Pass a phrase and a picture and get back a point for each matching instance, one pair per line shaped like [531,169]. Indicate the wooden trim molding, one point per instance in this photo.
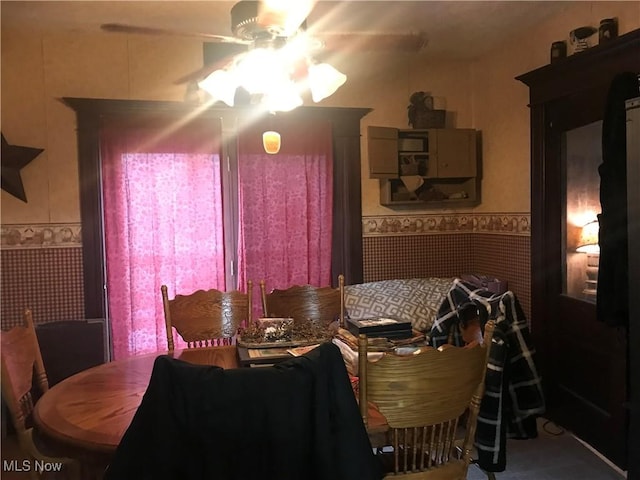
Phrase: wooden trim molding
[433,224]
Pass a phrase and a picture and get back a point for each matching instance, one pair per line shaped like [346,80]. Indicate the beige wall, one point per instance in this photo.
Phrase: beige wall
[500,102]
[40,67]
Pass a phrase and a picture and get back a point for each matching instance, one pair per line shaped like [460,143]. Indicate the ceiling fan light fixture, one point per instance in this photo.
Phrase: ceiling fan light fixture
[221,85]
[283,99]
[262,70]
[289,14]
[277,70]
[324,80]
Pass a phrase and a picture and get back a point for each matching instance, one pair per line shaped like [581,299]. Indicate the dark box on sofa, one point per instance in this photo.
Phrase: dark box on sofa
[380,327]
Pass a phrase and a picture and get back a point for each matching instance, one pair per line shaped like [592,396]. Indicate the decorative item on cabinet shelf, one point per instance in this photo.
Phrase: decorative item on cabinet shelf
[409,165]
[421,113]
[558,51]
[411,145]
[580,38]
[412,183]
[608,30]
[430,192]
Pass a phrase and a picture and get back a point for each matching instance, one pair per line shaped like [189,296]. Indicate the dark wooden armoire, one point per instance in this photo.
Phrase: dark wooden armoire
[589,377]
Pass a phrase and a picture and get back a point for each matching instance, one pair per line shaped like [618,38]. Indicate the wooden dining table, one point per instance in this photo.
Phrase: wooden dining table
[90,411]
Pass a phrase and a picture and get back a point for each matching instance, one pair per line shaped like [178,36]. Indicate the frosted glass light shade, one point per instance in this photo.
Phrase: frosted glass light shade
[324,80]
[271,142]
[221,85]
[278,76]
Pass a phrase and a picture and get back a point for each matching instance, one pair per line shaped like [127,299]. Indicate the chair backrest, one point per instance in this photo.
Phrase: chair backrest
[22,366]
[206,317]
[22,370]
[305,302]
[424,398]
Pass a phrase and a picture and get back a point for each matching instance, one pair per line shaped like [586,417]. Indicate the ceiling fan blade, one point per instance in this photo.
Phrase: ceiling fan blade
[122,28]
[370,42]
[205,71]
[286,15]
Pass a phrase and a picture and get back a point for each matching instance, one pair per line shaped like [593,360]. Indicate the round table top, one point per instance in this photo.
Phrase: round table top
[92,409]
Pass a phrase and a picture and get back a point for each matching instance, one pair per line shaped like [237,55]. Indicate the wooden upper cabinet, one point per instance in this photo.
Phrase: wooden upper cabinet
[454,152]
[382,147]
[446,160]
[440,153]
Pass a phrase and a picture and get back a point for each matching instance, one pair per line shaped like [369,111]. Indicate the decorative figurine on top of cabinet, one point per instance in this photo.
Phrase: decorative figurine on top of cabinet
[421,113]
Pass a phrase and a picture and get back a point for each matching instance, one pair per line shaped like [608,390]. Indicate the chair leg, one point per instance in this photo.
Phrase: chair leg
[70,466]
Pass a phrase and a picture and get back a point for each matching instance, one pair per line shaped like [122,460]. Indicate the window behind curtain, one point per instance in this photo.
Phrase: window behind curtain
[286,205]
[162,205]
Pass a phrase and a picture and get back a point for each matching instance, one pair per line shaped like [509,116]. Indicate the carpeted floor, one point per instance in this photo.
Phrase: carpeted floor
[548,457]
[551,457]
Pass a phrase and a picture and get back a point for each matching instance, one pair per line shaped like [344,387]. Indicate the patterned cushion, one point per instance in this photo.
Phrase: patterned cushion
[415,299]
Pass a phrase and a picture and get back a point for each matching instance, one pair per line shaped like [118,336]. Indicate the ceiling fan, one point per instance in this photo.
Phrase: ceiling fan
[275,26]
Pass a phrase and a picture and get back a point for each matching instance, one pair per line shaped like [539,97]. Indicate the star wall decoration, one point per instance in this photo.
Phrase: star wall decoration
[14,158]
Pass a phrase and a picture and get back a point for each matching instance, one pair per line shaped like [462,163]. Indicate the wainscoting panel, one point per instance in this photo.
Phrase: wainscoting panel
[47,280]
[416,256]
[42,264]
[505,256]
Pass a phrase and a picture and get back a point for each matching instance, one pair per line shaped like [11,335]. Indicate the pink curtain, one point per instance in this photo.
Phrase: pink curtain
[163,224]
[286,207]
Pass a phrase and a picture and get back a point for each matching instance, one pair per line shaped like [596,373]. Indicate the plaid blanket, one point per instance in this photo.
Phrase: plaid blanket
[513,395]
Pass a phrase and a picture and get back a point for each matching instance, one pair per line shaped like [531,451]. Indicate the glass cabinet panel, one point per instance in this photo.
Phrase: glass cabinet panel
[582,152]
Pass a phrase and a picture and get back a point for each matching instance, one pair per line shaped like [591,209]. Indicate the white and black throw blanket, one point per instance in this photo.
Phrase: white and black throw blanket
[513,395]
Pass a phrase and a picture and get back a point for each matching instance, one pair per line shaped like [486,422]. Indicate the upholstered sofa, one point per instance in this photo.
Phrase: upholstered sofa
[413,299]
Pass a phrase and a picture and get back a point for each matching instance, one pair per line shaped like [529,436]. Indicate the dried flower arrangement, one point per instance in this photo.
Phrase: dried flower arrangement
[285,333]
[421,113]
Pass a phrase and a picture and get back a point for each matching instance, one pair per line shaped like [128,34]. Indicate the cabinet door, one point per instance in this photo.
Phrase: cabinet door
[382,147]
[455,152]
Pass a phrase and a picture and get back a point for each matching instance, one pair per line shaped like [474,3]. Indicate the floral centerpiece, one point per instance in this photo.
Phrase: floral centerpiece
[285,332]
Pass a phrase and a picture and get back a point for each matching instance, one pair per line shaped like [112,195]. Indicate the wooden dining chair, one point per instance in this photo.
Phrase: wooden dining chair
[206,317]
[425,398]
[305,302]
[24,376]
